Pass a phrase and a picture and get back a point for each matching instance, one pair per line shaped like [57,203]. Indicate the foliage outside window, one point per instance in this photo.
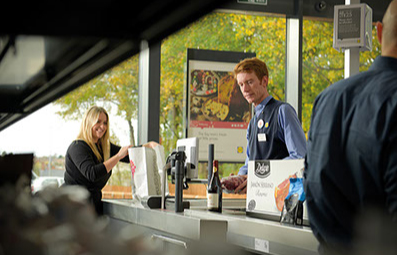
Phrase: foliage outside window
[117,89]
[322,64]
[263,35]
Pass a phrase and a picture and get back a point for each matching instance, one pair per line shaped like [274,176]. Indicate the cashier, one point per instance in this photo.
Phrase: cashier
[90,158]
[275,131]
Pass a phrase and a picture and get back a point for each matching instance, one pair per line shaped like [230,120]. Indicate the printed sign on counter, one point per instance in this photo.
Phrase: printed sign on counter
[268,185]
[262,245]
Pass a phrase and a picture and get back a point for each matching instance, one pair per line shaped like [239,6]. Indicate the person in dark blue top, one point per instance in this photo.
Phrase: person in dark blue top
[351,162]
[275,131]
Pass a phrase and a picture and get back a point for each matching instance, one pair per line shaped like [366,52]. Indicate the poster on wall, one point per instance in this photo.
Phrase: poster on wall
[217,112]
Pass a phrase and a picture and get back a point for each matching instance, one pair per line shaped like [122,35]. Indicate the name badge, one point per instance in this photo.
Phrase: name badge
[262,137]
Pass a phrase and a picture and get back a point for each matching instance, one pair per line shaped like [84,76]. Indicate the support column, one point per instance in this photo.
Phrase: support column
[149,93]
[293,62]
[352,56]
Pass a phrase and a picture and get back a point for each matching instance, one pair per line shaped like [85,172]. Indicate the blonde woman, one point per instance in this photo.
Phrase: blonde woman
[90,158]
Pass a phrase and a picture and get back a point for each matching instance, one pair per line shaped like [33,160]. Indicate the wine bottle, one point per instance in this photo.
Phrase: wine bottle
[218,183]
[210,160]
[214,191]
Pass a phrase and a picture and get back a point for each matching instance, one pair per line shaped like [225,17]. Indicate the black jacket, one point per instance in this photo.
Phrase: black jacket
[83,168]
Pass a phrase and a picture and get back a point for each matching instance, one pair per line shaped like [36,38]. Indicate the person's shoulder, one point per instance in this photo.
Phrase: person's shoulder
[78,144]
[286,105]
[336,89]
[348,86]
[287,108]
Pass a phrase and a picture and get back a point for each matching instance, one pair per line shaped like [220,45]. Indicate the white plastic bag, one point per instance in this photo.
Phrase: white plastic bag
[160,156]
[145,171]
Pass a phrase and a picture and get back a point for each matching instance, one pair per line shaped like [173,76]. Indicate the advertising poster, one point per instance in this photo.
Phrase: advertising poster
[217,112]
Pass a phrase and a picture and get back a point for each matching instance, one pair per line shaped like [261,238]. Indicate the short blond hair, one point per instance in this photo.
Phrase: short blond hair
[90,118]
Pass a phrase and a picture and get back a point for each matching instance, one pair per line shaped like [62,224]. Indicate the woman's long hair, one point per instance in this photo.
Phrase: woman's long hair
[90,119]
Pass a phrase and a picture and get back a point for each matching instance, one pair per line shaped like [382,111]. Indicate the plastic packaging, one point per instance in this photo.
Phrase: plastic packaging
[292,212]
[230,183]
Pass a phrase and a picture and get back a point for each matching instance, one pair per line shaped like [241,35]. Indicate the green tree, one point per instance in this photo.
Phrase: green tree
[263,35]
[216,31]
[117,87]
[322,64]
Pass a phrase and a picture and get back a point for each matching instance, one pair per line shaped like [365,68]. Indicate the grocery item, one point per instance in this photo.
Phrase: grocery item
[230,183]
[292,212]
[214,191]
[281,192]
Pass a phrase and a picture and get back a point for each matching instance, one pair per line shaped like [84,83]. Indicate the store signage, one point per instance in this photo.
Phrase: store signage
[217,112]
[352,27]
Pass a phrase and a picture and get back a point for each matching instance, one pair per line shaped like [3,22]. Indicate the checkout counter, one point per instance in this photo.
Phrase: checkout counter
[196,224]
[185,222]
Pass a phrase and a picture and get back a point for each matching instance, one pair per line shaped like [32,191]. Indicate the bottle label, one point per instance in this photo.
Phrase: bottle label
[212,200]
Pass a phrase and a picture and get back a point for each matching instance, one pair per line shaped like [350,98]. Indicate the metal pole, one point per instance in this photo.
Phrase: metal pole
[352,56]
[179,169]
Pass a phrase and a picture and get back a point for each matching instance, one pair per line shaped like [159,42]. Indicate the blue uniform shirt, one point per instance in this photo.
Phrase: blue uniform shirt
[289,131]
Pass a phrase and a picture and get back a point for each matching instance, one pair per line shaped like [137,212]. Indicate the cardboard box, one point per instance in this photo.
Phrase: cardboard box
[268,184]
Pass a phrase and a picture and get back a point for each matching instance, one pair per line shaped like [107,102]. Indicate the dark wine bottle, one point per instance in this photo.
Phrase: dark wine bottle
[214,191]
[218,183]
[210,160]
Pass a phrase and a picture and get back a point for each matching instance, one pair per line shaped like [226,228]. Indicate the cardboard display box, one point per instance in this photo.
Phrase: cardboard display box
[268,185]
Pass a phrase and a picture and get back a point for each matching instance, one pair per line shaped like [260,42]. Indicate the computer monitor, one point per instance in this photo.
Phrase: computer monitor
[191,148]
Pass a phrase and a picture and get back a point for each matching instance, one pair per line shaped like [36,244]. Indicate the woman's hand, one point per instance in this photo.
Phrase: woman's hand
[111,162]
[123,152]
[150,144]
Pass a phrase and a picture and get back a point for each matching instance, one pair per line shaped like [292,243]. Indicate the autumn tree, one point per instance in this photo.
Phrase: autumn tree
[115,89]
[322,64]
[260,34]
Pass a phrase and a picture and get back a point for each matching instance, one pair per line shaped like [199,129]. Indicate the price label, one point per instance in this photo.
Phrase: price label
[261,245]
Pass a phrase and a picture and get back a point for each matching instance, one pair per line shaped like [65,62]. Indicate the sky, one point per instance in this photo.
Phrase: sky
[44,133]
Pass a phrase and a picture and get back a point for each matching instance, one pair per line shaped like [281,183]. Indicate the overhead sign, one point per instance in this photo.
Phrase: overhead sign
[262,2]
[349,23]
[353,27]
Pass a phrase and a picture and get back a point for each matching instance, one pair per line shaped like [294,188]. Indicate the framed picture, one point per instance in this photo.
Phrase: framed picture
[217,112]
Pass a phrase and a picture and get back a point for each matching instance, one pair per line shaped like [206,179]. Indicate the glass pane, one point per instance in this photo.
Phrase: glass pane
[322,64]
[49,131]
[263,35]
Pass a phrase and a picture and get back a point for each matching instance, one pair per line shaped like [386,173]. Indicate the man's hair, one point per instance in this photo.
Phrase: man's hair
[250,65]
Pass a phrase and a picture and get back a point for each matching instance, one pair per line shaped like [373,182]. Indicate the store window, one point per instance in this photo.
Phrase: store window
[322,64]
[261,34]
[117,91]
[49,131]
